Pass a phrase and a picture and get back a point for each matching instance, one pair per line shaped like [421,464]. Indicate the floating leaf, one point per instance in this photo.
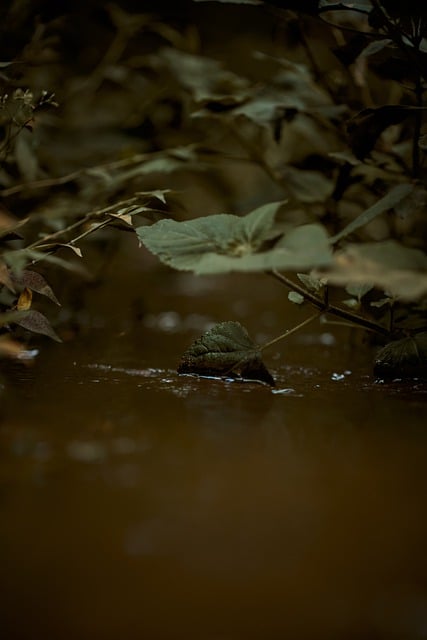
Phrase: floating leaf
[225,350]
[390,200]
[34,281]
[405,358]
[37,323]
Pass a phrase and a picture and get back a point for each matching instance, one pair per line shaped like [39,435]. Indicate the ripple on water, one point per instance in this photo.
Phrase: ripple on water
[291,381]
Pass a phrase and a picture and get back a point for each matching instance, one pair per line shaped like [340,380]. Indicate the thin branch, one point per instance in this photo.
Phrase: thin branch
[96,227]
[289,331]
[74,175]
[329,308]
[87,218]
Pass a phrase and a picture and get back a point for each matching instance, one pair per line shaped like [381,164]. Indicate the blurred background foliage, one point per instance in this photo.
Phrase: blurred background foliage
[115,115]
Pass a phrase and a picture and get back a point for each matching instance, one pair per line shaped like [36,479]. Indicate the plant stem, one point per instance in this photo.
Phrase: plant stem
[412,54]
[418,118]
[325,307]
[46,183]
[289,331]
[87,218]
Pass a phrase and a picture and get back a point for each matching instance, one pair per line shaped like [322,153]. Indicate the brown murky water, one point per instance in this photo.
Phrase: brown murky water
[135,503]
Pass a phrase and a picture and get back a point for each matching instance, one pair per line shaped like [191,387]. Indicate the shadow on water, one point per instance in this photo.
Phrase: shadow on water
[138,503]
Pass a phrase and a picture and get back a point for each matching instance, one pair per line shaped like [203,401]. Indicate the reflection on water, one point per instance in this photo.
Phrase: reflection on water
[136,503]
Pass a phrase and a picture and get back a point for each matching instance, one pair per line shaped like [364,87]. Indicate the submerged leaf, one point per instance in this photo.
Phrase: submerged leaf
[225,350]
[405,358]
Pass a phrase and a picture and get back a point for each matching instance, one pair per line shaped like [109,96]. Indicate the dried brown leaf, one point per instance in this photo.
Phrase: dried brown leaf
[25,299]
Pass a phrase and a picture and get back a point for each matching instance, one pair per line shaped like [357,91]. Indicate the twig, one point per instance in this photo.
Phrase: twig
[325,307]
[87,218]
[289,332]
[70,177]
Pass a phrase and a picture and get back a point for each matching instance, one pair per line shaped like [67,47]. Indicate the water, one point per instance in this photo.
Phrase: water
[136,503]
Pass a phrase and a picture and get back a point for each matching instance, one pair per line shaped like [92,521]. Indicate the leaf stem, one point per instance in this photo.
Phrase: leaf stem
[325,307]
[289,331]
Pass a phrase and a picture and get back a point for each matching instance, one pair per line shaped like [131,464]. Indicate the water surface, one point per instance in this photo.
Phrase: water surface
[136,503]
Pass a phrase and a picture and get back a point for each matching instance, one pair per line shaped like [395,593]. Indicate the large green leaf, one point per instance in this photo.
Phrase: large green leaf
[223,243]
[225,350]
[301,248]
